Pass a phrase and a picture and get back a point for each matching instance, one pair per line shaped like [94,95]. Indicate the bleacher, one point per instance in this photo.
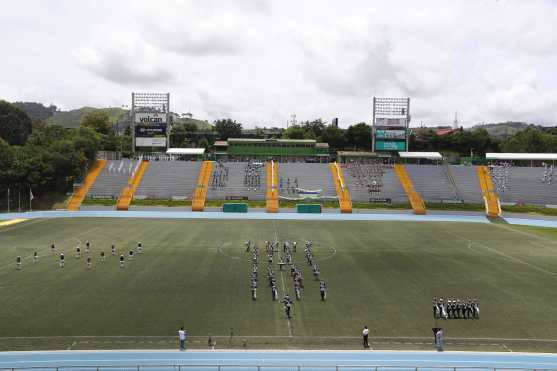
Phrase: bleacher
[112,178]
[235,187]
[431,182]
[390,189]
[310,177]
[466,179]
[525,186]
[168,179]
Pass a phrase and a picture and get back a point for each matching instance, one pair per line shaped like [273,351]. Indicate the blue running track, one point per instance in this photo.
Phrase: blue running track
[277,360]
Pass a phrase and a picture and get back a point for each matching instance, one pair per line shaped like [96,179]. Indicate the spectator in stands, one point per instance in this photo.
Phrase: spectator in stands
[182,338]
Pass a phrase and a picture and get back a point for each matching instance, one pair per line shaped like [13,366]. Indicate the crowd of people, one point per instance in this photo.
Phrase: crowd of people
[456,308]
[283,257]
[368,176]
[290,185]
[252,175]
[500,174]
[86,253]
[219,178]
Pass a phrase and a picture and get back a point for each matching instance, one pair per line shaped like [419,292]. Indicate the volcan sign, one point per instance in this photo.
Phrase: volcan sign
[150,118]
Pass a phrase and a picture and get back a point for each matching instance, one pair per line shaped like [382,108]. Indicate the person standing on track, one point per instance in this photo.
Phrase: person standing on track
[365,335]
[182,338]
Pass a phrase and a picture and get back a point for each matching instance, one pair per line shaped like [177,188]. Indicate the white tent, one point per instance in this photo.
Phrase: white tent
[426,155]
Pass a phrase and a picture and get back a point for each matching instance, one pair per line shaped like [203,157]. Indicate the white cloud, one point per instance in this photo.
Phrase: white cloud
[260,61]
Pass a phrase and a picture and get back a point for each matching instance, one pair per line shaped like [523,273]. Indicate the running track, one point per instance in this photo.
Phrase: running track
[314,360]
[537,222]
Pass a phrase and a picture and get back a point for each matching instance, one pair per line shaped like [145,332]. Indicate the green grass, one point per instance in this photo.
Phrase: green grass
[195,273]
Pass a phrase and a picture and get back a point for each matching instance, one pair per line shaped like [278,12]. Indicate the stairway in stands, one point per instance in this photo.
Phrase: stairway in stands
[126,196]
[344,199]
[416,201]
[492,206]
[200,192]
[79,195]
[272,201]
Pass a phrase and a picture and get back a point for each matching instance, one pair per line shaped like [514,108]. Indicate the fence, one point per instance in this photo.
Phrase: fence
[259,367]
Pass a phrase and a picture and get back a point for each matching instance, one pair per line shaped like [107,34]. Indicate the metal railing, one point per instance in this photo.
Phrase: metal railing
[260,367]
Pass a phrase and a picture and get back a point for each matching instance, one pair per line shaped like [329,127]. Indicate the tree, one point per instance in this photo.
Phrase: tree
[36,111]
[203,143]
[15,125]
[98,121]
[359,136]
[228,129]
[335,137]
[294,132]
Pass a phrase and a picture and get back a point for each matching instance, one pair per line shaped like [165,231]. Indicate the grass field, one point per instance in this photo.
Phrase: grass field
[195,273]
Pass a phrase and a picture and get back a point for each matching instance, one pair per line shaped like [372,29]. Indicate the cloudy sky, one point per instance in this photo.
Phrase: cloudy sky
[260,61]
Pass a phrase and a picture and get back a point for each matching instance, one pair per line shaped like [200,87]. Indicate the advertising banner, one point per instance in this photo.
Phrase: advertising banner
[150,118]
[381,145]
[390,134]
[150,142]
[390,122]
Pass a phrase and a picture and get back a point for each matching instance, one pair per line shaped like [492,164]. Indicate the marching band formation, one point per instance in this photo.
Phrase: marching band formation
[456,308]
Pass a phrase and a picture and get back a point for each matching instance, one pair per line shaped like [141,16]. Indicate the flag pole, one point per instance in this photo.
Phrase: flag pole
[30,199]
[8,199]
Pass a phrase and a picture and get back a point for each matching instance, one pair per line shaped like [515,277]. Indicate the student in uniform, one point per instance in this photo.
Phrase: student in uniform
[77,252]
[52,247]
[130,255]
[113,248]
[88,262]
[18,262]
[365,336]
[102,256]
[87,247]
[139,248]
[35,257]
[61,260]
[122,260]
[322,289]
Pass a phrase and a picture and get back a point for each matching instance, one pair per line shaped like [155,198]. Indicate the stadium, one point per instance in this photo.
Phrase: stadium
[257,235]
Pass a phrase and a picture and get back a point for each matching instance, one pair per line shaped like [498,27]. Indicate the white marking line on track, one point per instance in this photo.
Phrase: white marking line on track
[290,334]
[517,260]
[395,361]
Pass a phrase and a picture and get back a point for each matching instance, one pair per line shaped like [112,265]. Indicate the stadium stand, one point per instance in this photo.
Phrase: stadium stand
[126,196]
[299,180]
[169,179]
[431,182]
[235,187]
[466,179]
[79,195]
[359,180]
[272,194]
[492,206]
[112,179]
[344,200]
[200,193]
[524,185]
[416,201]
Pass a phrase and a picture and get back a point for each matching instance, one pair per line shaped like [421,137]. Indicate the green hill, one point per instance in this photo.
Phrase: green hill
[201,125]
[71,119]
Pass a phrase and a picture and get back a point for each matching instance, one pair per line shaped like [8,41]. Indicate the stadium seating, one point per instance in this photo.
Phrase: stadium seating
[113,178]
[391,188]
[235,187]
[431,182]
[168,179]
[309,176]
[467,182]
[525,186]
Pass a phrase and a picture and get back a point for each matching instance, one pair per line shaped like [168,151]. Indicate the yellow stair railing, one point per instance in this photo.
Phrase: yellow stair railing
[492,205]
[271,197]
[200,192]
[344,199]
[126,196]
[416,201]
[79,195]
